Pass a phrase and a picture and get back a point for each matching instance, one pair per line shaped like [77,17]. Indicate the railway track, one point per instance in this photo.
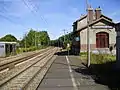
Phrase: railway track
[28,75]
[20,55]
[10,63]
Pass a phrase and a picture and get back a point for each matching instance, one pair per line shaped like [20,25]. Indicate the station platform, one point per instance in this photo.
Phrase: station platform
[68,73]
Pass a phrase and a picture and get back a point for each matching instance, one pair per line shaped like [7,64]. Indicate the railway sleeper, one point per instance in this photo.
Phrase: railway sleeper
[11,66]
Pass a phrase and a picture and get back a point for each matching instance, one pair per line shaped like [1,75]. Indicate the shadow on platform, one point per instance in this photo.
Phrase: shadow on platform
[103,74]
[64,53]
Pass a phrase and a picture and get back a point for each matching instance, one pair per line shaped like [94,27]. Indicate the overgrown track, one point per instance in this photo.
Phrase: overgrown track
[13,61]
[28,75]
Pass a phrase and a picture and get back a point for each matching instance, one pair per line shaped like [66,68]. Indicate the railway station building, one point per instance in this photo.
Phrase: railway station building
[102,33]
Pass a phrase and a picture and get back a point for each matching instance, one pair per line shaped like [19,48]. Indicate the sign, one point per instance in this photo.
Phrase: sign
[68,45]
[102,27]
[77,38]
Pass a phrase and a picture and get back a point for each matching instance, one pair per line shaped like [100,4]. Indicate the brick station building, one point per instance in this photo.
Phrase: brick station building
[102,32]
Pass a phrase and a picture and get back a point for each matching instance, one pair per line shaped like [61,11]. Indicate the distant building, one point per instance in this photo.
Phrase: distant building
[7,48]
[102,32]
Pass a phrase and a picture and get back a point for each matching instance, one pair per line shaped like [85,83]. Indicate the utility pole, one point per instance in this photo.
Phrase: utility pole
[35,38]
[25,42]
[88,36]
[64,34]
[38,39]
[64,39]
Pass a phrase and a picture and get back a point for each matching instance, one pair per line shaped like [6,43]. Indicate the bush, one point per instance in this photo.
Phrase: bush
[19,50]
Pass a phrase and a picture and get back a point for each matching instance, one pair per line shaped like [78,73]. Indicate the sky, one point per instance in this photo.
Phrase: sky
[17,17]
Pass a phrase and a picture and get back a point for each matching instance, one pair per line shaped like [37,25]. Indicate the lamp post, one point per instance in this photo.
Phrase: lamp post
[25,42]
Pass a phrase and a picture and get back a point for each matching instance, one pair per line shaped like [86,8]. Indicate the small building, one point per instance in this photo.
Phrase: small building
[102,33]
[7,48]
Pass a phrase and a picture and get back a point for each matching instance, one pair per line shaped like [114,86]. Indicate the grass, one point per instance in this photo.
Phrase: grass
[103,69]
[33,48]
[98,58]
[99,63]
[102,58]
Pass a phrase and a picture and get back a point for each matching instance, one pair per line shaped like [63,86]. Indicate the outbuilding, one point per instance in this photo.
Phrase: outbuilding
[7,48]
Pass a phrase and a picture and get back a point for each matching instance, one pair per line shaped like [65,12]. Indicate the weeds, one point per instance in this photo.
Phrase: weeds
[98,58]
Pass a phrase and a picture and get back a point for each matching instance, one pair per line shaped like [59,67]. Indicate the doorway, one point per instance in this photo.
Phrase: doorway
[102,40]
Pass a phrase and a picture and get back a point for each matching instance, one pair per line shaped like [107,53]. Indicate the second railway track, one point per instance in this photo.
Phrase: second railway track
[20,78]
[10,63]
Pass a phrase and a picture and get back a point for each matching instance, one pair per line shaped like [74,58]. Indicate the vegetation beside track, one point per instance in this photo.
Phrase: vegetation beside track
[98,58]
[103,69]
[33,48]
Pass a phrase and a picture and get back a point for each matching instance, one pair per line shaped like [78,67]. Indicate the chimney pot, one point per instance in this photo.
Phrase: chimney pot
[90,12]
[98,12]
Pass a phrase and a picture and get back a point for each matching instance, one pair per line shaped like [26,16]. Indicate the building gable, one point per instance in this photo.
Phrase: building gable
[82,23]
[102,24]
[101,21]
[99,24]
[106,17]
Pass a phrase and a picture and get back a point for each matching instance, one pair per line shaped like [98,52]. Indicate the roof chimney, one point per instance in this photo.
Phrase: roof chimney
[90,12]
[97,12]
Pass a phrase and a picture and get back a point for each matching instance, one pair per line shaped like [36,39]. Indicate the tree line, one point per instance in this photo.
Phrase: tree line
[30,39]
[63,40]
[39,38]
[35,38]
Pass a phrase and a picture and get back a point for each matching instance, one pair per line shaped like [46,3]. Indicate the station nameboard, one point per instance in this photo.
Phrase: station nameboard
[102,27]
[77,38]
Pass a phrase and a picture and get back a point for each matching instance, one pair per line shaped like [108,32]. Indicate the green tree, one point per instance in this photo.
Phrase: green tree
[9,38]
[35,38]
[63,40]
[44,38]
[30,38]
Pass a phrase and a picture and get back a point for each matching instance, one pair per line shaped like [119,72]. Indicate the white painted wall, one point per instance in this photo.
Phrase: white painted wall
[2,50]
[111,32]
[83,36]
[82,23]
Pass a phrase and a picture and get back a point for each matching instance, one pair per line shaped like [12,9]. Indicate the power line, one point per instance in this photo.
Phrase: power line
[28,6]
[36,10]
[5,17]
[8,19]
